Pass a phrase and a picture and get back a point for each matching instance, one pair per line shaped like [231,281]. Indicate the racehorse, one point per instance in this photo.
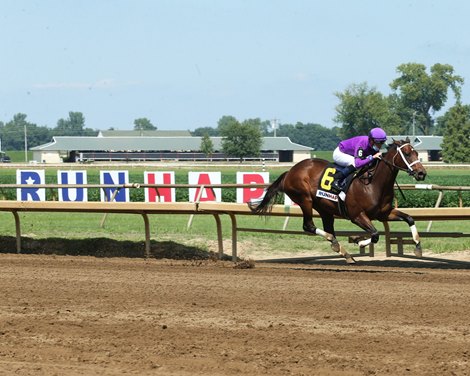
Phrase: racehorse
[369,197]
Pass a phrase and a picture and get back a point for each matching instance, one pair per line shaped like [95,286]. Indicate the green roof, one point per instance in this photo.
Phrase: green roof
[420,142]
[63,143]
[136,133]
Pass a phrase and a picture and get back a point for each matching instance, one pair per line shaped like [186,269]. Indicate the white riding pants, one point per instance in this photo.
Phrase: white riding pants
[342,159]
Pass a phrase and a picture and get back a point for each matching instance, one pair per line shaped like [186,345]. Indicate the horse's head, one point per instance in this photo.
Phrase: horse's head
[404,157]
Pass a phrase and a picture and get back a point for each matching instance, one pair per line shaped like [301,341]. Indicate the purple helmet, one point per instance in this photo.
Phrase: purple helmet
[378,135]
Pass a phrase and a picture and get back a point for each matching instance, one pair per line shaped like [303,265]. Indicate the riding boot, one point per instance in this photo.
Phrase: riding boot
[340,177]
[338,180]
[348,170]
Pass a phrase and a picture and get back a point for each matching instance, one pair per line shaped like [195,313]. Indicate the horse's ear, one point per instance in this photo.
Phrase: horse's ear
[407,140]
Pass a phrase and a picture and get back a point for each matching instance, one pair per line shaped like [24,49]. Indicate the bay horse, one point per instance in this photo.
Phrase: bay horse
[369,197]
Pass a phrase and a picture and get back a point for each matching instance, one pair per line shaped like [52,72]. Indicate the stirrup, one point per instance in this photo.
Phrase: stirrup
[337,185]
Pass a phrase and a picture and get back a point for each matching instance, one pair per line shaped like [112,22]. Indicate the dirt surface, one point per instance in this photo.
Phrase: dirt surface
[83,315]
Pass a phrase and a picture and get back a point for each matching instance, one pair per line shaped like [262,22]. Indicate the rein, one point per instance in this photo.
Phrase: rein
[371,172]
[393,165]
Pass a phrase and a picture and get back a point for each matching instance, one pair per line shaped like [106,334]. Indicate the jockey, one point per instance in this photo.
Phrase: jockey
[355,153]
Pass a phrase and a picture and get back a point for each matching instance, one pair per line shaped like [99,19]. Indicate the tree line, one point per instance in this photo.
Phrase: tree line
[417,94]
[409,110]
[14,132]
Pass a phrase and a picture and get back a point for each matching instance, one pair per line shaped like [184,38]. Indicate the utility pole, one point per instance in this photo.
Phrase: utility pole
[25,144]
[414,116]
[274,123]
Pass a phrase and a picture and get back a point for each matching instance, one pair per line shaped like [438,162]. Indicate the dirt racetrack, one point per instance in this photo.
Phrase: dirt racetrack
[82,315]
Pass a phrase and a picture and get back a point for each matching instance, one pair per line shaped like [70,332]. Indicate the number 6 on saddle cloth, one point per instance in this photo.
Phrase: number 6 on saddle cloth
[336,180]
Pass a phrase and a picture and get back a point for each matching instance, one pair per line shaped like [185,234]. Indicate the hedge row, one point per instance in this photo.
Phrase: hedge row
[414,198]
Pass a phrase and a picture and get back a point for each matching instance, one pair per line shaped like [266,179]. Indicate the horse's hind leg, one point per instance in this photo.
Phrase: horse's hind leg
[308,225]
[328,233]
[328,225]
[306,207]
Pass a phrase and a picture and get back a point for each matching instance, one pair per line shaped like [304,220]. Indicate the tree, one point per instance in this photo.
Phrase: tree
[312,135]
[201,131]
[266,128]
[241,139]
[362,108]
[456,141]
[225,122]
[144,124]
[207,146]
[13,133]
[73,126]
[424,94]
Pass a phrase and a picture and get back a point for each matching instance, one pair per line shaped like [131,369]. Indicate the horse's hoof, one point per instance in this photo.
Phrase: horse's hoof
[356,239]
[418,251]
[335,246]
[350,260]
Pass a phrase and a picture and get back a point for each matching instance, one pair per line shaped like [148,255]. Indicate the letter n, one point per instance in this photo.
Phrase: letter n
[114,178]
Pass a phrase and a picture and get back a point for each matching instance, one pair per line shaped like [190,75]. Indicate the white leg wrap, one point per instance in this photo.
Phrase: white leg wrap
[364,242]
[320,232]
[415,234]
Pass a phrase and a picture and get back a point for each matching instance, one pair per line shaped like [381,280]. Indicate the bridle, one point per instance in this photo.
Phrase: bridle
[409,165]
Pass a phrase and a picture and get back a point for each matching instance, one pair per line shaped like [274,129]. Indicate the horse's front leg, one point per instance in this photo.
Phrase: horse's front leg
[363,221]
[397,215]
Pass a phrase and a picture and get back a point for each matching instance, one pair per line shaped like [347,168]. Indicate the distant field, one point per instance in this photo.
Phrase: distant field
[18,156]
[323,154]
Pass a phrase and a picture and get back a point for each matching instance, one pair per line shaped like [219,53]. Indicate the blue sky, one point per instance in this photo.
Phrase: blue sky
[184,64]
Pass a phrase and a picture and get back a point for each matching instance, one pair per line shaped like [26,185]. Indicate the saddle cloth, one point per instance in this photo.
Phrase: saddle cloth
[327,178]
[326,191]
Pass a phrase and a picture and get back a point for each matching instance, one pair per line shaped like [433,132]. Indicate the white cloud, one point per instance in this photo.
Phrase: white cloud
[300,76]
[105,83]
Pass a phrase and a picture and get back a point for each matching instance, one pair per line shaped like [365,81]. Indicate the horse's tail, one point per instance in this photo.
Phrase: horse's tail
[272,192]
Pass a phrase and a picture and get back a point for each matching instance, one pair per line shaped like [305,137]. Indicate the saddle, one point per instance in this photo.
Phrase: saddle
[325,189]
[327,179]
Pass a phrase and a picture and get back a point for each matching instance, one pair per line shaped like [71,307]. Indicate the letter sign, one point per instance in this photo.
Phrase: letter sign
[30,177]
[206,194]
[160,194]
[116,178]
[251,194]
[72,177]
